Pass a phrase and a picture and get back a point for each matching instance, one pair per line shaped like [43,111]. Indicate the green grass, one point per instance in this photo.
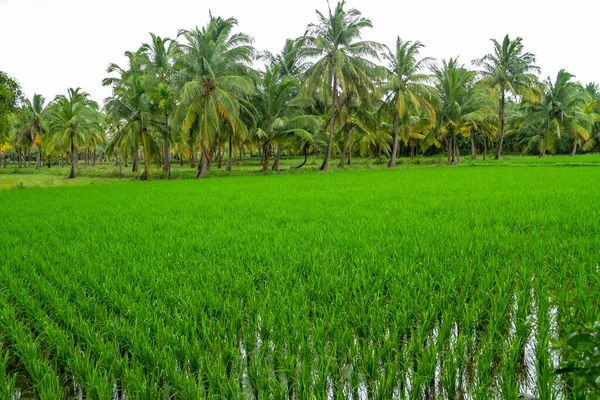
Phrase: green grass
[415,282]
[15,178]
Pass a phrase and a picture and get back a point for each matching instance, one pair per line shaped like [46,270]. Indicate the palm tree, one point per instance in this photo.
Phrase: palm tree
[292,60]
[130,107]
[356,117]
[33,126]
[215,76]
[561,110]
[159,54]
[342,66]
[510,71]
[592,107]
[462,107]
[408,90]
[73,118]
[280,113]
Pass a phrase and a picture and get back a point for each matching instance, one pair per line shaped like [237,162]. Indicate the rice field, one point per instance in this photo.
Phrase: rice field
[446,283]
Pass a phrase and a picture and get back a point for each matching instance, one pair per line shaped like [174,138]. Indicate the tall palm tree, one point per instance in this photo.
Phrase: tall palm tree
[407,90]
[462,106]
[73,118]
[341,65]
[131,108]
[293,58]
[561,111]
[280,112]
[33,126]
[215,75]
[356,117]
[160,54]
[511,71]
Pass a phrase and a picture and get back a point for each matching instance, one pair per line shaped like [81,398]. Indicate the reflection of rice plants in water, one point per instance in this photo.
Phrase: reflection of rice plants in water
[422,283]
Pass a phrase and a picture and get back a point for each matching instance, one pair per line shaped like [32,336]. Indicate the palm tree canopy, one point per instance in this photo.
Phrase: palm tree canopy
[510,68]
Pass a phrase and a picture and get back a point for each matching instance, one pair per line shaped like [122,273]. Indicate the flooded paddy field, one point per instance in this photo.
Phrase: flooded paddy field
[446,283]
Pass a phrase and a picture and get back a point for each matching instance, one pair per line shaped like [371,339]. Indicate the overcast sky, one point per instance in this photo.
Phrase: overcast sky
[51,45]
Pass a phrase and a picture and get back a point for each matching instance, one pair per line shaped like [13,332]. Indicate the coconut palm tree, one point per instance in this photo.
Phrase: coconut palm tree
[33,126]
[407,90]
[280,112]
[160,54]
[561,111]
[462,106]
[357,117]
[341,66]
[73,118]
[130,107]
[511,71]
[214,73]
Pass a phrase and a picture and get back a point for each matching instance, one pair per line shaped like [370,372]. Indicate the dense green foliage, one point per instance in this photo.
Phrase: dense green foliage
[200,96]
[370,283]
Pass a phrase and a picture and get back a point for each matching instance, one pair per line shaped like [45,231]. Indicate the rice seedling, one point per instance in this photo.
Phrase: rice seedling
[435,282]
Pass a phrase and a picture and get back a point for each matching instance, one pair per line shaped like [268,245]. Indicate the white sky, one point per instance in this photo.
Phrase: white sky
[51,45]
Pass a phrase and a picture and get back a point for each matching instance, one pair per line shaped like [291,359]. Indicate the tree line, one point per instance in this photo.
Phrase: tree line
[198,97]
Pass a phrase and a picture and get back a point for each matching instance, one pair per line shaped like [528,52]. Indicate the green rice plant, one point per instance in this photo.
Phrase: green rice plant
[413,282]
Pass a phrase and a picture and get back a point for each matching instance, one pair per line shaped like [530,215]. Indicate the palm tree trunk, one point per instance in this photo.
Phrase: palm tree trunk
[574,148]
[499,150]
[120,161]
[332,127]
[94,158]
[543,153]
[265,156]
[277,158]
[192,155]
[347,128]
[203,166]
[473,147]
[136,158]
[412,148]
[485,149]
[19,157]
[456,149]
[167,147]
[392,162]
[350,147]
[73,158]
[229,155]
[448,147]
[38,163]
[305,151]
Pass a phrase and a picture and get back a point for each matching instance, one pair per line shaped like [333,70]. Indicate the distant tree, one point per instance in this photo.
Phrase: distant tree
[10,95]
[407,90]
[511,71]
[214,73]
[462,106]
[341,65]
[130,108]
[74,118]
[33,125]
[280,112]
[560,112]
[160,54]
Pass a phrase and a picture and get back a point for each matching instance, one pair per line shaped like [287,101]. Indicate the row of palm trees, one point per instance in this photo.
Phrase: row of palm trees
[328,90]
